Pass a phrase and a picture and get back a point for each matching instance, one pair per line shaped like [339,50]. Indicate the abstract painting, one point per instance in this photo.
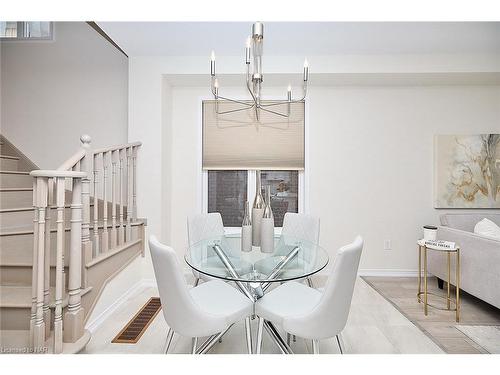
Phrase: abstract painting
[467,171]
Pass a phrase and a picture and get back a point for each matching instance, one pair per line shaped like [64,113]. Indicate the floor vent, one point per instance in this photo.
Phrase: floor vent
[134,329]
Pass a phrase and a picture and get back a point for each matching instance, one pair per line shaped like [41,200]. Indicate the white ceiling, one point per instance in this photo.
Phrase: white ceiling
[305,38]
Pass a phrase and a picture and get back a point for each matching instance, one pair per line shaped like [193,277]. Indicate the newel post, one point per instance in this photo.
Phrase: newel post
[39,323]
[86,165]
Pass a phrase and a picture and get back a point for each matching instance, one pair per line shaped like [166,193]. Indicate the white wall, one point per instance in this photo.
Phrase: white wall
[54,91]
[369,146]
[369,157]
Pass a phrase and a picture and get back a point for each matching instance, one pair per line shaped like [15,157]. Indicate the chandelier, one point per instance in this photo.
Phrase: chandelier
[254,80]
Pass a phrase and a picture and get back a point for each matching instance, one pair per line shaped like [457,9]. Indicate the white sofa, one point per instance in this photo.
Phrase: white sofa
[479,256]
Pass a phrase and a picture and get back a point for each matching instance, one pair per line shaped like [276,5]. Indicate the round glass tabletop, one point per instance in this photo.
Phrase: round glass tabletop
[222,258]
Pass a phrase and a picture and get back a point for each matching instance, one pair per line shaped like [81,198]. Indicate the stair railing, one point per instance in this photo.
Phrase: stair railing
[78,173]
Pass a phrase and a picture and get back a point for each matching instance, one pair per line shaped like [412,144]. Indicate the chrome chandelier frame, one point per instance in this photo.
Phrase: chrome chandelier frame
[254,79]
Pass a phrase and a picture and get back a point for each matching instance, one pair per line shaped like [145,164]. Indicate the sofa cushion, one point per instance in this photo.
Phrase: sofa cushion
[487,228]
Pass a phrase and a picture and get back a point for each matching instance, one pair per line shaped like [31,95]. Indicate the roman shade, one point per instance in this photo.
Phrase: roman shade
[236,140]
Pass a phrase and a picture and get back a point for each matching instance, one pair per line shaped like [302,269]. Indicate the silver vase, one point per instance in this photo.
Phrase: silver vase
[267,225]
[257,211]
[246,230]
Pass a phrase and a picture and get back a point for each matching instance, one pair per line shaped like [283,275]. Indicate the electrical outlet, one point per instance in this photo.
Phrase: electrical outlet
[387,245]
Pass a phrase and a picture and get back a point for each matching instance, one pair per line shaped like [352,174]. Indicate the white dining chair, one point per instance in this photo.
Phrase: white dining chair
[301,226]
[200,227]
[206,310]
[308,313]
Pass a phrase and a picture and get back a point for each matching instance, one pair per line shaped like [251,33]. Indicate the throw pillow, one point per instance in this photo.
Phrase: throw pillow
[487,228]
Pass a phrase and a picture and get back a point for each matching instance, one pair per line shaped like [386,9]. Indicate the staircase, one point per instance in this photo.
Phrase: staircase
[64,234]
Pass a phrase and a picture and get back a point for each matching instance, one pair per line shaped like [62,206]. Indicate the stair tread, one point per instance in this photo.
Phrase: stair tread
[9,157]
[16,172]
[15,189]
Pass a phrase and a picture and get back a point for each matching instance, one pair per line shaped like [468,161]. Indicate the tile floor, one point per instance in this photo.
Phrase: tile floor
[374,326]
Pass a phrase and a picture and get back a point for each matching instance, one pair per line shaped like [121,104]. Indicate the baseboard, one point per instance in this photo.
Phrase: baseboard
[93,325]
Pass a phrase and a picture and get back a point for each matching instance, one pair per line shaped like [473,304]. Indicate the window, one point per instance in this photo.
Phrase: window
[228,191]
[12,30]
[284,192]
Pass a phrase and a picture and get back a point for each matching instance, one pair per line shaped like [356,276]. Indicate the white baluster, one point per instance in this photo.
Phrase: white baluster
[114,159]
[46,283]
[129,194]
[96,248]
[39,326]
[58,323]
[86,166]
[121,229]
[105,235]
[35,263]
[134,183]
[74,316]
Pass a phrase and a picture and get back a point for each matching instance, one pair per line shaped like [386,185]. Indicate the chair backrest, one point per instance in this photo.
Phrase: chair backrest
[329,317]
[202,226]
[179,309]
[301,226]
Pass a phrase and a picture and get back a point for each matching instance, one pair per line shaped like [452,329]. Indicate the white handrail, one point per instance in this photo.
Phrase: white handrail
[57,173]
[118,147]
[72,161]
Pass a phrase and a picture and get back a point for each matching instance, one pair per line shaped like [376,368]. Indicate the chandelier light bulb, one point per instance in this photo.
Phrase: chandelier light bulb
[212,64]
[216,83]
[306,70]
[247,51]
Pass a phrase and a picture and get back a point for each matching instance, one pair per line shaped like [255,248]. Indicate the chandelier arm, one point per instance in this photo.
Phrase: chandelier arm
[276,113]
[236,101]
[233,110]
[248,85]
[282,103]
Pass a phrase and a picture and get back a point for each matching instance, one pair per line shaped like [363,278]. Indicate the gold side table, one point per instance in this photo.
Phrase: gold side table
[422,248]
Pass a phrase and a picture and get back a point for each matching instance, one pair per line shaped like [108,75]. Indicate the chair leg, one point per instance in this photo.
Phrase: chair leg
[315,345]
[170,335]
[310,282]
[338,342]
[259,336]
[194,345]
[248,330]
[196,282]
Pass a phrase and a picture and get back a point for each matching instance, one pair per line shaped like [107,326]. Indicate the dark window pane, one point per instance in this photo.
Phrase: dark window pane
[284,192]
[227,193]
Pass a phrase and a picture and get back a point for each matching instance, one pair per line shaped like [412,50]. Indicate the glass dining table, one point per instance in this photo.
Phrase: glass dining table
[254,272]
